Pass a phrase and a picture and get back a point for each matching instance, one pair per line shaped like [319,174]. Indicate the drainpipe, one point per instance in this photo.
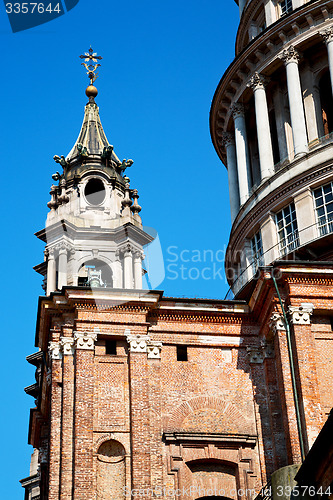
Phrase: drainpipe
[292,369]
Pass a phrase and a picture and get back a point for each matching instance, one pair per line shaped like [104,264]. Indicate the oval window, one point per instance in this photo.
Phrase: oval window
[95,191]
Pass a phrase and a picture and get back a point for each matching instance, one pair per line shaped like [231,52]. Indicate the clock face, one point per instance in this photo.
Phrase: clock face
[95,192]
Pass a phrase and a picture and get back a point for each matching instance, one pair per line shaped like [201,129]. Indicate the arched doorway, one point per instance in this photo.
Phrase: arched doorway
[95,273]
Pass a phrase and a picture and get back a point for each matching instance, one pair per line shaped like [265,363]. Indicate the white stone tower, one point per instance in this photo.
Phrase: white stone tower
[271,124]
[93,232]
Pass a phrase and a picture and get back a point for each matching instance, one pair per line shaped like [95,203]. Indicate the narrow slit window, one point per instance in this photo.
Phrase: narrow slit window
[181,353]
[111,347]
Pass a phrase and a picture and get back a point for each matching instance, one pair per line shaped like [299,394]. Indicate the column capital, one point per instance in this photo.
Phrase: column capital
[290,55]
[257,81]
[85,340]
[154,350]
[301,315]
[67,344]
[276,322]
[256,354]
[228,139]
[237,110]
[327,35]
[127,249]
[138,254]
[63,247]
[54,349]
[137,342]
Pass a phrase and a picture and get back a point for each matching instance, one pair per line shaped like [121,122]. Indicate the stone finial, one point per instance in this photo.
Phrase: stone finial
[55,350]
[67,344]
[237,110]
[127,202]
[136,209]
[154,350]
[290,55]
[301,315]
[63,198]
[257,81]
[138,343]
[276,322]
[327,35]
[52,204]
[227,139]
[85,340]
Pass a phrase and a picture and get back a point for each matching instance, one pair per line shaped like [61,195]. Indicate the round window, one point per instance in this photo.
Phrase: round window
[95,191]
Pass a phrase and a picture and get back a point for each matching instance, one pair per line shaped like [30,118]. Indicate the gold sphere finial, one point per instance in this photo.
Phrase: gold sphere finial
[91,91]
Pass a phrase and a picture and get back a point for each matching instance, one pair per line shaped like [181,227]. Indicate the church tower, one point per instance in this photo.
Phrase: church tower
[93,235]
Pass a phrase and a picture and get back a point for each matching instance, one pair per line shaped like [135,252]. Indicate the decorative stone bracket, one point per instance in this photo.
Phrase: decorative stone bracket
[301,315]
[55,351]
[67,344]
[143,344]
[277,322]
[257,354]
[85,340]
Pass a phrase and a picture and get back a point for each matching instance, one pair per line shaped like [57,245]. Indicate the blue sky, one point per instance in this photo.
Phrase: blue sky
[162,62]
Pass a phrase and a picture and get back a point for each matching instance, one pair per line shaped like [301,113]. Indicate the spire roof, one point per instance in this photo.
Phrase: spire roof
[91,136]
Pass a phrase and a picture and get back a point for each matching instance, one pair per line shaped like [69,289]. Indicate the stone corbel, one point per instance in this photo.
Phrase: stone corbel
[67,344]
[301,315]
[138,343]
[256,355]
[85,340]
[276,322]
[154,350]
[55,350]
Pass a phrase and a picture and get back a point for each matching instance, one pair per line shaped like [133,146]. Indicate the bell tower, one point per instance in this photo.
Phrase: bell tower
[93,235]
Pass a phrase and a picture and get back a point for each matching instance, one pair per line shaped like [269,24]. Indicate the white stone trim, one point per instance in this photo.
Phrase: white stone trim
[301,315]
[67,344]
[154,350]
[138,343]
[85,340]
[55,350]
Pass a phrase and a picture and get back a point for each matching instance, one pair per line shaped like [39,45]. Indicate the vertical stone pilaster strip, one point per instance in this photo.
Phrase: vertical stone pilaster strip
[139,417]
[55,357]
[83,415]
[307,380]
[66,475]
[284,382]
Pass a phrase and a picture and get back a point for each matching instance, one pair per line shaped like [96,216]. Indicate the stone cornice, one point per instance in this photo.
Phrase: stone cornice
[177,316]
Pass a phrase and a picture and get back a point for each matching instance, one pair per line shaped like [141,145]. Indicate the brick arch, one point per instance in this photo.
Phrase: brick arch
[208,414]
[107,437]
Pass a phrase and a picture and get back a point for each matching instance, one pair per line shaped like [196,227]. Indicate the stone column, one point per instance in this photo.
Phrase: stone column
[83,414]
[117,271]
[128,267]
[51,271]
[55,357]
[269,239]
[242,153]
[306,373]
[66,479]
[310,106]
[229,143]
[138,256]
[284,382]
[140,414]
[328,38]
[263,127]
[62,268]
[306,217]
[290,57]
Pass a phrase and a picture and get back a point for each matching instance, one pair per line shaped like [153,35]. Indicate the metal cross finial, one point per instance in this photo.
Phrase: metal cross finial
[90,67]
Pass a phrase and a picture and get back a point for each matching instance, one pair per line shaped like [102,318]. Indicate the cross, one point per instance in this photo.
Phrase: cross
[90,67]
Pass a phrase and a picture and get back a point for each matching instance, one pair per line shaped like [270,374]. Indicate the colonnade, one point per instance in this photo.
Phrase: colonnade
[126,267]
[236,144]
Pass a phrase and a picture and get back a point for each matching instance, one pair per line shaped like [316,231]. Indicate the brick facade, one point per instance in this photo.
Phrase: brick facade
[140,418]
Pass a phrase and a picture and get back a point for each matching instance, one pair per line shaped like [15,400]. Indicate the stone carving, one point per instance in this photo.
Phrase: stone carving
[55,350]
[237,110]
[67,344]
[277,323]
[256,354]
[138,343]
[257,81]
[227,139]
[301,315]
[327,35]
[154,350]
[290,55]
[85,340]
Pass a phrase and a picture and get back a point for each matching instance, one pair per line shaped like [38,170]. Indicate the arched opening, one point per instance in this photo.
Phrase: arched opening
[214,479]
[95,191]
[326,99]
[110,471]
[95,273]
